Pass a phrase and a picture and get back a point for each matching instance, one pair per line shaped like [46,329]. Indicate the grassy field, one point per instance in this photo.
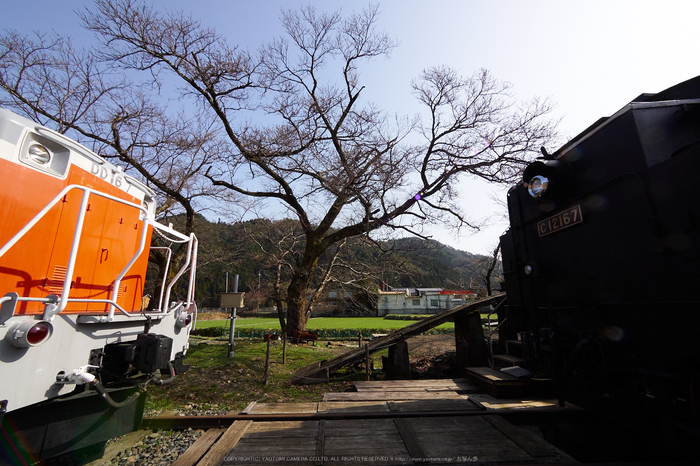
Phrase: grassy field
[335,323]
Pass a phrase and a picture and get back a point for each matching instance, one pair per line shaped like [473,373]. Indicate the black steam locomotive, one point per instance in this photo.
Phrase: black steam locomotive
[602,262]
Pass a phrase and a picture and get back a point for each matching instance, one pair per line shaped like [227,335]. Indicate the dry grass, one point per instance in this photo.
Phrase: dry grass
[216,382]
[212,315]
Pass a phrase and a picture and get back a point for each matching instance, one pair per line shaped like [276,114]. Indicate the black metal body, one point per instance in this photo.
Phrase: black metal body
[72,425]
[602,271]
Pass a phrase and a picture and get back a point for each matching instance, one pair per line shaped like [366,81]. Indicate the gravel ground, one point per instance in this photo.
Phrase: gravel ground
[158,448]
[162,447]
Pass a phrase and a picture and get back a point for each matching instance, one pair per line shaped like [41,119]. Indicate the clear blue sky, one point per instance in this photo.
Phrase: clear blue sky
[591,57]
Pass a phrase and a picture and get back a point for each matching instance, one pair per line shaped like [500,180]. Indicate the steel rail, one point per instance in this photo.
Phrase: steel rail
[208,422]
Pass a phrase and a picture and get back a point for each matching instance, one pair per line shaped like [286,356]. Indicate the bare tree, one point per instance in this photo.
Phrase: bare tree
[299,133]
[278,242]
[72,91]
[485,267]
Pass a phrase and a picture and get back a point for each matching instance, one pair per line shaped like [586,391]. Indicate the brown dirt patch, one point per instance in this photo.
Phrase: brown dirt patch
[430,345]
[432,356]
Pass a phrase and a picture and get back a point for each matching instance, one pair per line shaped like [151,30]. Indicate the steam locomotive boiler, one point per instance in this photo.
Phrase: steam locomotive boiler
[602,262]
[78,342]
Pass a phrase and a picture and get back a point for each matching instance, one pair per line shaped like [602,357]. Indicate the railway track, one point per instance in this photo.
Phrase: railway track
[432,429]
[426,421]
[515,415]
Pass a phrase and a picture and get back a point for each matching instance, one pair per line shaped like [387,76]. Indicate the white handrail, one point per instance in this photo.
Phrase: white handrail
[74,251]
[53,202]
[118,280]
[193,270]
[70,269]
[182,270]
[165,275]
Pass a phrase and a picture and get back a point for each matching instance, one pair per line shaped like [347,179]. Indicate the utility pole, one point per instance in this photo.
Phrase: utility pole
[258,310]
[233,316]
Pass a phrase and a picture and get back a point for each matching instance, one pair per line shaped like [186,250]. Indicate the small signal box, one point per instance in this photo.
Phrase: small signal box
[230,300]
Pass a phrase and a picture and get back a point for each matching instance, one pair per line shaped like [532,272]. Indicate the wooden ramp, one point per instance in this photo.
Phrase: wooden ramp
[447,439]
[320,372]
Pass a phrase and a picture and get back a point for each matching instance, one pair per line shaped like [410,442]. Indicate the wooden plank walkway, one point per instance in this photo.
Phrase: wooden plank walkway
[478,438]
[385,395]
[457,439]
[434,389]
[458,385]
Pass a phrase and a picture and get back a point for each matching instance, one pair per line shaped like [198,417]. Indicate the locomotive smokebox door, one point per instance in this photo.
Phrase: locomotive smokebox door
[152,352]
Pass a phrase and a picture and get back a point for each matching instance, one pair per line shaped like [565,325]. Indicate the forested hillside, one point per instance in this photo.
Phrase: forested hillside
[255,249]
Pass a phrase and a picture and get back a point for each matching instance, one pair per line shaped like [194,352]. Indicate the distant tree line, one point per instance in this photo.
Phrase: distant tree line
[235,248]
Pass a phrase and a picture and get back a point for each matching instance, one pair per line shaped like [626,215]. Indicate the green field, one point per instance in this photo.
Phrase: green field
[325,327]
[325,323]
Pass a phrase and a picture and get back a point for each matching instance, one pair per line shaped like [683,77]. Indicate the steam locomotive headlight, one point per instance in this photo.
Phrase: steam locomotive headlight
[39,154]
[29,333]
[537,186]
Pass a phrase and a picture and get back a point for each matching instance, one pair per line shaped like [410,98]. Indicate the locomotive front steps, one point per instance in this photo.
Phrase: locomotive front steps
[507,360]
[496,383]
[514,346]
[513,356]
[502,384]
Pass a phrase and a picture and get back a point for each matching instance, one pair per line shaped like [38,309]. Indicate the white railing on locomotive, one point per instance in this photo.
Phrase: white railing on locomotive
[52,307]
[190,262]
[168,253]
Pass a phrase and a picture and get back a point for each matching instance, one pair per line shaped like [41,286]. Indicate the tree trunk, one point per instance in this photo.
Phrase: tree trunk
[300,282]
[279,302]
[489,271]
[296,301]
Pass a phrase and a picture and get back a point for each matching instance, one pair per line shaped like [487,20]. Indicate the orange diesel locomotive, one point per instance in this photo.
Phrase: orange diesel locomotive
[78,342]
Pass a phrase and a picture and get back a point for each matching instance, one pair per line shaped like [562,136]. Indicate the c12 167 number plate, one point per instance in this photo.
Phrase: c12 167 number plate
[560,221]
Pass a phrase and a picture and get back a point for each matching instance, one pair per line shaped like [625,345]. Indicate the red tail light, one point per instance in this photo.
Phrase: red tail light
[38,333]
[29,333]
[184,320]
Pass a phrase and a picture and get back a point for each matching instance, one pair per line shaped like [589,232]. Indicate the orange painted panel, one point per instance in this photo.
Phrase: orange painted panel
[60,251]
[36,265]
[118,242]
[23,193]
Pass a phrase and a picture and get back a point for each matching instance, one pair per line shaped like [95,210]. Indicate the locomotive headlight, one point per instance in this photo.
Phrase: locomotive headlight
[537,186]
[29,333]
[39,154]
